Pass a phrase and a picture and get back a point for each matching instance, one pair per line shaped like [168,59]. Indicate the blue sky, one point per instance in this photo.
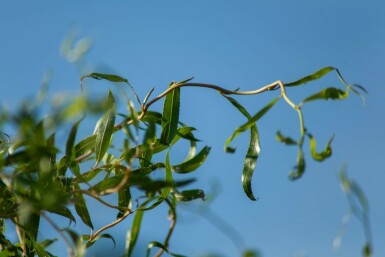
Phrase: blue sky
[244,44]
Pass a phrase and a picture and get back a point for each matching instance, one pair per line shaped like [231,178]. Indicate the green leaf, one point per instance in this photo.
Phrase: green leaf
[109,77]
[190,195]
[299,168]
[170,116]
[90,243]
[193,163]
[285,140]
[65,212]
[326,153]
[81,207]
[104,129]
[161,246]
[317,75]
[250,122]
[85,145]
[328,93]
[147,96]
[132,236]
[70,151]
[250,162]
[124,199]
[367,250]
[254,146]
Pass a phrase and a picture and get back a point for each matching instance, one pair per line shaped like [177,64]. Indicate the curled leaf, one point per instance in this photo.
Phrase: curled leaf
[285,140]
[326,153]
[193,163]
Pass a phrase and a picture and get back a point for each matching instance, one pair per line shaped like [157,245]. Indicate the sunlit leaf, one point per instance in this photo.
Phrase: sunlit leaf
[326,153]
[285,140]
[85,145]
[190,195]
[81,207]
[104,129]
[299,168]
[250,122]
[170,116]
[330,93]
[250,162]
[193,163]
[317,75]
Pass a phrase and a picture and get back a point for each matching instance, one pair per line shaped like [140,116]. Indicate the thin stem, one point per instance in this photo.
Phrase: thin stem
[271,86]
[110,225]
[171,229]
[21,239]
[97,198]
[60,232]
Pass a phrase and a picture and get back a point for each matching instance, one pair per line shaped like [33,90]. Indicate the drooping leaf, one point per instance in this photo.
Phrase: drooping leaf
[250,122]
[326,153]
[250,162]
[81,207]
[285,140]
[161,246]
[147,96]
[109,77]
[65,212]
[104,129]
[124,199]
[190,195]
[170,116]
[299,168]
[317,75]
[90,243]
[193,163]
[254,146]
[328,93]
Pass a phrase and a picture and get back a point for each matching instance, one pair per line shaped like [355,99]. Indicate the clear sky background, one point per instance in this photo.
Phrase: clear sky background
[244,44]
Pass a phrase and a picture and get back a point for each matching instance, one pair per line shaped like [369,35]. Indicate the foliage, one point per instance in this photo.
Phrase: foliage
[41,178]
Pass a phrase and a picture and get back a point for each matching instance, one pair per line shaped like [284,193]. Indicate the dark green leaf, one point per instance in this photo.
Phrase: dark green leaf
[250,162]
[161,246]
[170,116]
[85,145]
[326,153]
[328,93]
[90,243]
[104,129]
[250,122]
[285,140]
[317,75]
[81,207]
[124,199]
[367,250]
[193,163]
[251,253]
[109,77]
[70,151]
[65,212]
[189,195]
[299,168]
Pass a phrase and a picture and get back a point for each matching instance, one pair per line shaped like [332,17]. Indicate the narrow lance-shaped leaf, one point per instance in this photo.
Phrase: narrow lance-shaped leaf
[250,122]
[170,116]
[190,195]
[252,152]
[317,75]
[285,140]
[299,168]
[104,129]
[327,152]
[124,199]
[328,93]
[81,207]
[161,246]
[250,162]
[90,243]
[193,163]
[132,236]
[70,150]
